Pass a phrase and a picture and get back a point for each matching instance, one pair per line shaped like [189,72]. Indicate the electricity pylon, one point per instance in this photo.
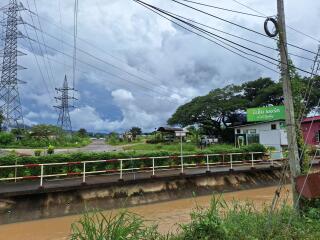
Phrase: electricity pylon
[10,105]
[64,116]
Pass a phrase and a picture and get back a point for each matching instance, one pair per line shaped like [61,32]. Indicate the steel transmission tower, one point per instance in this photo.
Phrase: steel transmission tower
[10,105]
[64,117]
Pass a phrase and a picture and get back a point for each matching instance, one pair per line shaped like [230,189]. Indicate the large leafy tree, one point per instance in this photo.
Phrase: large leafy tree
[223,107]
[135,131]
[45,131]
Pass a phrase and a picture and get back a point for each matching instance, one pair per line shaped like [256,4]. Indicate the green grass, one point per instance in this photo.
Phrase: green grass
[186,147]
[122,226]
[122,143]
[173,147]
[221,221]
[38,144]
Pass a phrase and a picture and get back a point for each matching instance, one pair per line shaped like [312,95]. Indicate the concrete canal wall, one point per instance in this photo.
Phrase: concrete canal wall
[32,206]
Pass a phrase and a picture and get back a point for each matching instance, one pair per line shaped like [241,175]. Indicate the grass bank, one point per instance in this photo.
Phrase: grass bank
[220,221]
[187,148]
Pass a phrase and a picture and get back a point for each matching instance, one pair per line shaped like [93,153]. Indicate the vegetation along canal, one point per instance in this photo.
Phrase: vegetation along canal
[166,214]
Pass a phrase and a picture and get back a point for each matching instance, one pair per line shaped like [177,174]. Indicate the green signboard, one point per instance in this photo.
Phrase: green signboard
[266,114]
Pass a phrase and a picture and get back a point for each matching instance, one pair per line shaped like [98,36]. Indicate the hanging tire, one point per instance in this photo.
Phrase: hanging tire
[266,29]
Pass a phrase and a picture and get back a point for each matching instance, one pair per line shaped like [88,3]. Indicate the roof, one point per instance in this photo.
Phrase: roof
[311,119]
[169,129]
[256,123]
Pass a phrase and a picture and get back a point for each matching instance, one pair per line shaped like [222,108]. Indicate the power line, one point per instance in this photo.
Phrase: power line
[212,34]
[61,32]
[87,73]
[241,55]
[108,63]
[37,63]
[42,51]
[76,9]
[46,51]
[292,28]
[238,25]
[236,36]
[224,9]
[109,73]
[112,56]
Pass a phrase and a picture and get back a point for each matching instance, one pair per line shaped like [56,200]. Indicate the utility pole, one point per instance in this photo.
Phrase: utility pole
[288,101]
[10,104]
[64,117]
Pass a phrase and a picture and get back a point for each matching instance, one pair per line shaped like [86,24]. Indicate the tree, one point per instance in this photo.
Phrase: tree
[6,138]
[224,107]
[135,131]
[82,132]
[1,120]
[44,131]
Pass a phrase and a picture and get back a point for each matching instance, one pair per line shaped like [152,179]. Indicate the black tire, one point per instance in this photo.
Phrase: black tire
[275,23]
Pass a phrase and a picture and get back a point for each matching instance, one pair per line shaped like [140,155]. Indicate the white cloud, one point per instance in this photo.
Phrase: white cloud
[179,65]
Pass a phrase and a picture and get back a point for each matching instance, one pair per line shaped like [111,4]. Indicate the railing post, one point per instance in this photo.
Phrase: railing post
[271,158]
[252,161]
[152,166]
[121,169]
[15,171]
[84,173]
[41,176]
[231,164]
[182,164]
[208,166]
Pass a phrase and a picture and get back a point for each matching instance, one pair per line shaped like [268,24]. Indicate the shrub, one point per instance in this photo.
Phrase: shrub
[50,149]
[220,221]
[124,225]
[6,138]
[243,221]
[37,152]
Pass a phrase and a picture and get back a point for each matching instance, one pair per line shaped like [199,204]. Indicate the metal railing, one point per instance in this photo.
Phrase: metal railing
[204,161]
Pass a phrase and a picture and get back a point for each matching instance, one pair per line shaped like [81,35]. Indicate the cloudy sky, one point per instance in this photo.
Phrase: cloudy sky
[135,68]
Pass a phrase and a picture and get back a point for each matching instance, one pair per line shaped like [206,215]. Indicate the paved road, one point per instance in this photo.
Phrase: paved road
[29,187]
[98,145]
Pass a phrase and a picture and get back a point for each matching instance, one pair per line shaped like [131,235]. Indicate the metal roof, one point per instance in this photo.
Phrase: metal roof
[310,119]
[169,129]
[256,123]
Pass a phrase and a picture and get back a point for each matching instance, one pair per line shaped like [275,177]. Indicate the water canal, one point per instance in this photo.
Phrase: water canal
[166,214]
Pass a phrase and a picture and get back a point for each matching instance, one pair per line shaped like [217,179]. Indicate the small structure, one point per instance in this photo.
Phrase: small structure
[270,134]
[310,127]
[308,185]
[169,134]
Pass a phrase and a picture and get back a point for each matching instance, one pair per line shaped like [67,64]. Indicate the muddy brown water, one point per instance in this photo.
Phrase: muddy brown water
[166,214]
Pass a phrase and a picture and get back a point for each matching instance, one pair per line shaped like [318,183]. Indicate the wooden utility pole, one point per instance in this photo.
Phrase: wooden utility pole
[288,101]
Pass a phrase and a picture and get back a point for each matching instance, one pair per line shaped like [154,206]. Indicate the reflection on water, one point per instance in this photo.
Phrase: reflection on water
[167,215]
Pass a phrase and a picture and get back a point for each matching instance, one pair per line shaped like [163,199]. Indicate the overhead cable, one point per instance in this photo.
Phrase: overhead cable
[212,34]
[238,25]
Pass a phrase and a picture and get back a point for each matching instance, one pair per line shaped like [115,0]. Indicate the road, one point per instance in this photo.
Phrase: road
[97,145]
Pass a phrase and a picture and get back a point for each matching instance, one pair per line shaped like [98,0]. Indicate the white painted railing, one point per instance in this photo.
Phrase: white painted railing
[206,164]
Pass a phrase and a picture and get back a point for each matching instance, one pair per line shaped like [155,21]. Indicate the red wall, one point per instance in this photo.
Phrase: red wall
[311,138]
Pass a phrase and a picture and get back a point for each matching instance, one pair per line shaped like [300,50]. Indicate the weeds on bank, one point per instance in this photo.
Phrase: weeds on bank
[222,221]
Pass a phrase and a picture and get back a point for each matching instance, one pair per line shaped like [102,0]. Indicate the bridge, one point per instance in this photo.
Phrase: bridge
[115,170]
[39,190]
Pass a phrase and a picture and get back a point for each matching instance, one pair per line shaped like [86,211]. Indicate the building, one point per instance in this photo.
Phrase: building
[310,127]
[270,134]
[169,134]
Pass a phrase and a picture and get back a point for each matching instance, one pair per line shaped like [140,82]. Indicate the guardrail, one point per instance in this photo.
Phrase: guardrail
[148,164]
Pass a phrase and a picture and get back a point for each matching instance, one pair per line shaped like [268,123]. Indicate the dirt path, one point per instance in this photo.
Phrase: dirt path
[97,145]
